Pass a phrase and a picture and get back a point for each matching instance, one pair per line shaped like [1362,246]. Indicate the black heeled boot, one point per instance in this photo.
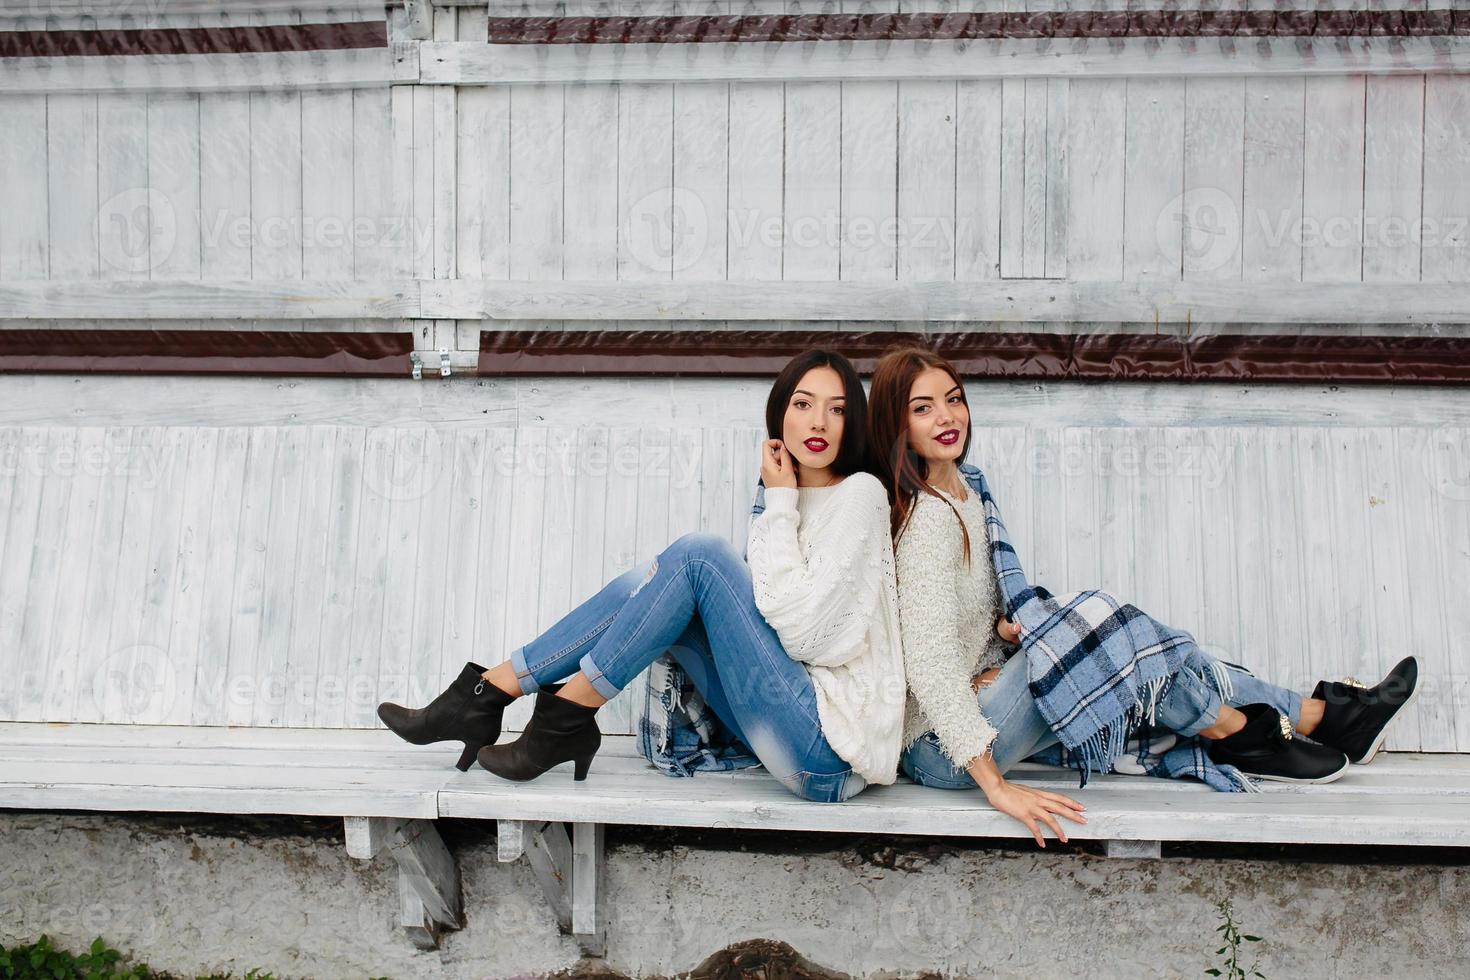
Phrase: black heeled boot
[559,731]
[469,711]
[1265,747]
[1356,717]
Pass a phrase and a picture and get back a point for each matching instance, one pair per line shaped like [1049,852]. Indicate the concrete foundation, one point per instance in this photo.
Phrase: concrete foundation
[203,894]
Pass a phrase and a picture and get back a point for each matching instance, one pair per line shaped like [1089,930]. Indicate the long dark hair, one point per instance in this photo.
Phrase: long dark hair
[905,474]
[852,454]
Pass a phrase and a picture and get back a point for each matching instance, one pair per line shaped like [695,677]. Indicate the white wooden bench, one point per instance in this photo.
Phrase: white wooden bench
[155,609]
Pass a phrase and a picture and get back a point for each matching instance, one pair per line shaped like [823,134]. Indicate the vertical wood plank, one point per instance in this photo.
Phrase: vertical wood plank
[811,204]
[411,478]
[123,220]
[275,184]
[174,179]
[23,193]
[327,199]
[211,682]
[192,585]
[1426,620]
[1393,177]
[926,180]
[645,181]
[24,498]
[435,503]
[154,665]
[1058,184]
[1096,124]
[1274,119]
[283,565]
[1034,196]
[376,234]
[1446,191]
[522,609]
[1332,180]
[701,156]
[305,664]
[1013,177]
[90,483]
[757,155]
[465,520]
[242,678]
[71,155]
[335,677]
[1390,600]
[869,170]
[978,141]
[116,683]
[493,577]
[1214,166]
[1153,180]
[29,655]
[224,185]
[592,182]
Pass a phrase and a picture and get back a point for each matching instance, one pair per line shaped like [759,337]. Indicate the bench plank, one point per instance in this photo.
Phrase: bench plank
[1399,799]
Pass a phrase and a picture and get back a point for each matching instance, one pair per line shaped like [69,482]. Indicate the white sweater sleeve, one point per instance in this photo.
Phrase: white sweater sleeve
[930,555]
[820,607]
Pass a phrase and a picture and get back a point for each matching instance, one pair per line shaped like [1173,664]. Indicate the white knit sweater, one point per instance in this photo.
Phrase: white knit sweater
[948,613]
[822,561]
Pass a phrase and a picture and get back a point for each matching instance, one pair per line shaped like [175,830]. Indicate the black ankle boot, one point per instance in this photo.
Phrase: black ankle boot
[559,731]
[468,711]
[1266,747]
[1356,717]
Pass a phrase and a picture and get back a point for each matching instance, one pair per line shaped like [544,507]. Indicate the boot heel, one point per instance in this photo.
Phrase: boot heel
[579,770]
[467,757]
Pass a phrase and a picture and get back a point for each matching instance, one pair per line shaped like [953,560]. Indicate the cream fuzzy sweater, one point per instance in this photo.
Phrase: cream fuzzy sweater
[822,562]
[948,612]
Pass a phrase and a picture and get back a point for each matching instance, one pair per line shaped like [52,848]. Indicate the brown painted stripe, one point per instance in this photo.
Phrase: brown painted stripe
[265,352]
[998,24]
[193,40]
[1116,357]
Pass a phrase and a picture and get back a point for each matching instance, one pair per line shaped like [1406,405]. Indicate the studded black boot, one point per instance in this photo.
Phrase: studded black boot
[1265,747]
[468,711]
[559,731]
[1356,717]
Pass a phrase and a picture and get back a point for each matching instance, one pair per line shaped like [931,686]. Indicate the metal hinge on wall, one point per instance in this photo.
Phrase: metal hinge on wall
[418,364]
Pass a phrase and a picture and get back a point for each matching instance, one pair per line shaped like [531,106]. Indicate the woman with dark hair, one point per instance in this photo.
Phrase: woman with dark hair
[1094,673]
[796,652]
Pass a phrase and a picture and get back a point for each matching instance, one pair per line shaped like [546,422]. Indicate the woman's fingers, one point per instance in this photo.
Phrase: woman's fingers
[1065,801]
[1064,811]
[1056,828]
[1035,831]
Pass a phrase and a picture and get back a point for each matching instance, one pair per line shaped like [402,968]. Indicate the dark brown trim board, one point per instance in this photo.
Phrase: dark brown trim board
[193,40]
[997,24]
[265,352]
[1040,356]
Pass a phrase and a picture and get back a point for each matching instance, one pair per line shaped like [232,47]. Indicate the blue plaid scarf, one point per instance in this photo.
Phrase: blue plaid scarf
[1098,669]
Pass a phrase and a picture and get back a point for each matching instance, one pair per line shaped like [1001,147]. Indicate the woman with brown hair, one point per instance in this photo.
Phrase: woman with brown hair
[1095,673]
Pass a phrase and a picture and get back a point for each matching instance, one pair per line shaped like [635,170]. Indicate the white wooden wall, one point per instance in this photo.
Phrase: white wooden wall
[1305,532]
[263,552]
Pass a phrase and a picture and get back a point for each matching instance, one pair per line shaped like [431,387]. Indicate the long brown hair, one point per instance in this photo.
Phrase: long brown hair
[905,474]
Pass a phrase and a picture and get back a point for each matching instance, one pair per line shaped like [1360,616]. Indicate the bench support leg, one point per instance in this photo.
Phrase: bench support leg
[1134,849]
[568,870]
[428,879]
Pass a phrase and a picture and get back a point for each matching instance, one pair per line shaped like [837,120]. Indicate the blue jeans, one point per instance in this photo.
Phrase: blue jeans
[696,600]
[1192,704]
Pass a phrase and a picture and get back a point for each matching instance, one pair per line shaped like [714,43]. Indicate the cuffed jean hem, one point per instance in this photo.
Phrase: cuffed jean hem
[523,672]
[599,681]
[824,787]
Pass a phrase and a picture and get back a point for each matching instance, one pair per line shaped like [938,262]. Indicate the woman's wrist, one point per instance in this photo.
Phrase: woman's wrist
[987,776]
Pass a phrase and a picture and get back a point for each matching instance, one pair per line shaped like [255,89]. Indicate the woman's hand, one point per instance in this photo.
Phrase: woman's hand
[1008,631]
[984,677]
[778,469]
[1029,805]
[1026,804]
